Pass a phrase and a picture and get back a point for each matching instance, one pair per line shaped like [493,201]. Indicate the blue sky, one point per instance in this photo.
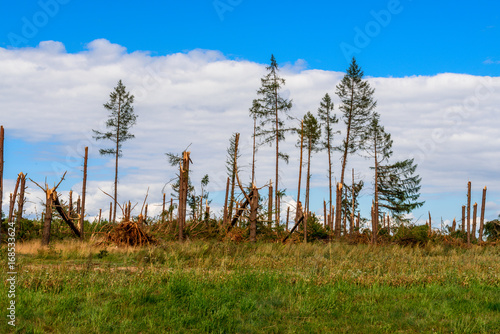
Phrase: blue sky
[419,37]
[405,46]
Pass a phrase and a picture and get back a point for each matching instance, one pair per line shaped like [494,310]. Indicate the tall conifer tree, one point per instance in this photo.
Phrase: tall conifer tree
[269,109]
[121,119]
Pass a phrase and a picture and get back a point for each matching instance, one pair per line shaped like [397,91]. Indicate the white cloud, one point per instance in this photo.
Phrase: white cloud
[448,122]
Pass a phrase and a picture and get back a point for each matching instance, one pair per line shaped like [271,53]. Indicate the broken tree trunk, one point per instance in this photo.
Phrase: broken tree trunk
[270,204]
[110,211]
[183,191]
[254,206]
[58,206]
[481,221]
[287,217]
[454,225]
[13,200]
[84,190]
[163,213]
[240,210]
[468,210]
[225,213]
[430,224]
[338,216]
[70,204]
[474,219]
[20,202]
[298,220]
[48,217]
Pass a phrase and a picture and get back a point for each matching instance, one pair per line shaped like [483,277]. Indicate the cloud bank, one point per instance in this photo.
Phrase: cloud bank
[449,122]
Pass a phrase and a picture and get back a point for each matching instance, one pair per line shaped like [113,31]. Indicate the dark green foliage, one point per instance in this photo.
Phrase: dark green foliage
[492,230]
[315,230]
[399,187]
[270,105]
[356,105]
[375,141]
[312,133]
[327,119]
[412,235]
[121,119]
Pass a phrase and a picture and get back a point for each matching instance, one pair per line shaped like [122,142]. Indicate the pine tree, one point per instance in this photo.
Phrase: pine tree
[328,119]
[268,109]
[378,145]
[312,137]
[120,120]
[356,104]
[399,187]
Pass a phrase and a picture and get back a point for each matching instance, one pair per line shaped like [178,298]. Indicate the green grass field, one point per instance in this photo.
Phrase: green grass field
[199,287]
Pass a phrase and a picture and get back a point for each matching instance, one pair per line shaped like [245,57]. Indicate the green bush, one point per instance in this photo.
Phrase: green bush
[412,235]
[492,230]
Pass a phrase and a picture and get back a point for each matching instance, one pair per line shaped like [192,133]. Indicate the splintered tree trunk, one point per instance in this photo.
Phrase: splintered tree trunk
[474,219]
[84,191]
[183,191]
[78,207]
[233,176]
[48,217]
[254,206]
[324,214]
[463,218]
[481,221]
[13,200]
[163,213]
[100,212]
[1,170]
[270,204]
[300,169]
[468,210]
[430,224]
[145,213]
[308,177]
[224,214]
[338,215]
[70,204]
[454,225]
[20,202]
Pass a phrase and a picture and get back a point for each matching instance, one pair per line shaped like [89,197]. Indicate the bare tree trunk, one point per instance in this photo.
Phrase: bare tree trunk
[110,211]
[163,213]
[225,213]
[474,219]
[278,205]
[270,204]
[233,184]
[276,184]
[254,206]
[48,217]
[300,169]
[78,207]
[339,210]
[308,176]
[351,228]
[430,224]
[183,191]
[84,191]
[20,202]
[324,215]
[2,135]
[463,218]
[145,213]
[357,221]
[70,205]
[454,225]
[117,153]
[100,212]
[253,151]
[13,200]
[468,210]
[481,222]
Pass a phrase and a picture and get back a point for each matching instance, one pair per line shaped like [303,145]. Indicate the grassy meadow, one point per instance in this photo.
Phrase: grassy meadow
[226,287]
